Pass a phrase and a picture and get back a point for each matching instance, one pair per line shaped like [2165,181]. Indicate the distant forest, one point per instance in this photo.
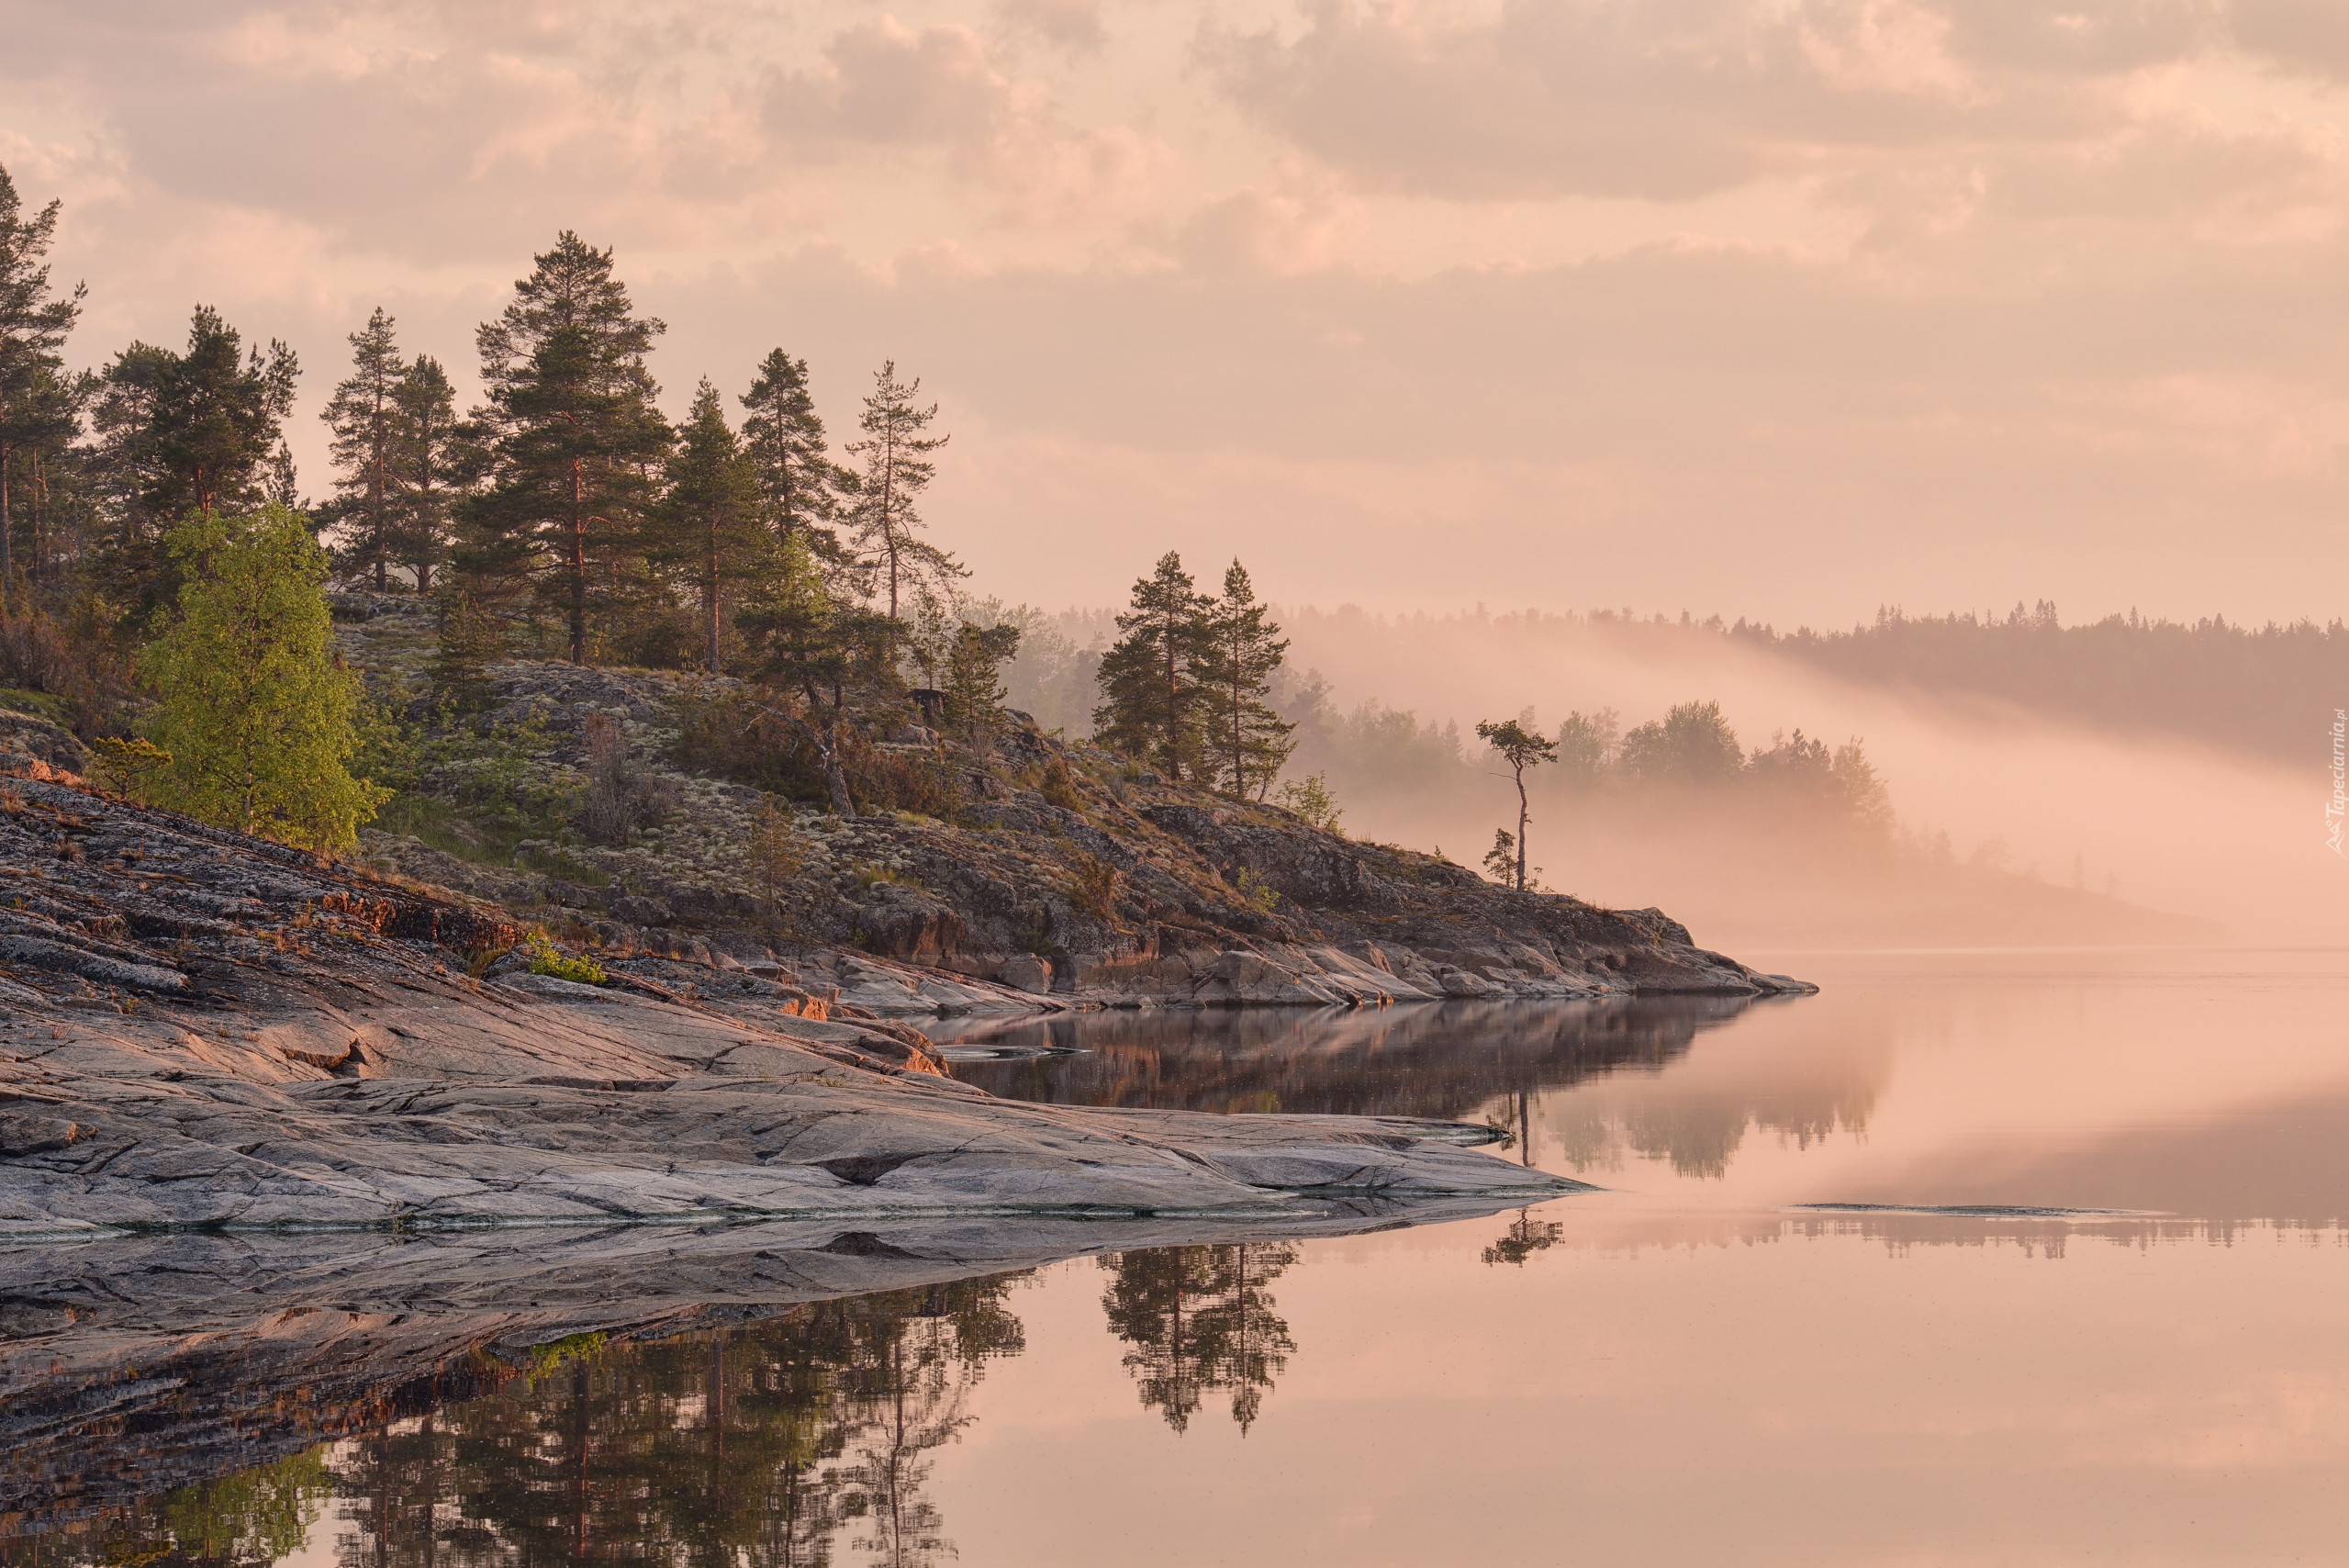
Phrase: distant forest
[2269,689]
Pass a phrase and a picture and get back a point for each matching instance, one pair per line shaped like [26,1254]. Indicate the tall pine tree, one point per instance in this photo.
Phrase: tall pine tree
[575,440]
[33,326]
[193,432]
[1152,706]
[365,416]
[1246,742]
[898,468]
[799,486]
[708,525]
[435,459]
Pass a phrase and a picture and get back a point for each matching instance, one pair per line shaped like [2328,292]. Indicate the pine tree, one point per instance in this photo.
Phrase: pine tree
[33,326]
[365,416]
[576,439]
[974,671]
[434,460]
[708,523]
[799,486]
[42,467]
[1246,742]
[1152,705]
[1521,748]
[255,712]
[199,432]
[193,432]
[897,470]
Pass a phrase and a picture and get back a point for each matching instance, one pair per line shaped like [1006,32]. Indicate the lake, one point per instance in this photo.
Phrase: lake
[2026,1257]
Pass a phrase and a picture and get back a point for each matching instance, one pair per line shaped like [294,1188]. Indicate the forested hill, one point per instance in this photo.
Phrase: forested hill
[2269,689]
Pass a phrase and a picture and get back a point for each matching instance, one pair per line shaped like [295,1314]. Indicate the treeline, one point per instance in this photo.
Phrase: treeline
[563,516]
[2259,690]
[2267,689]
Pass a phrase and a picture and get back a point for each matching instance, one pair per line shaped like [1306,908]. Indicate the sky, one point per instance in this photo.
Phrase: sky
[1781,308]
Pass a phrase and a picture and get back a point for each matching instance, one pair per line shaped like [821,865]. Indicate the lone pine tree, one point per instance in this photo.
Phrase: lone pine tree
[575,438]
[1240,648]
[1521,748]
[1152,704]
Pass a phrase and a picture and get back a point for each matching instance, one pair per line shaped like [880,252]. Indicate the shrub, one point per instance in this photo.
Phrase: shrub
[1093,887]
[1310,799]
[546,958]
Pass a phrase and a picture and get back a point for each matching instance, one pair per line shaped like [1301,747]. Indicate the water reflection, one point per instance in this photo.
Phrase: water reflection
[1594,1074]
[1831,1301]
[1199,1320]
[1417,1060]
[766,1445]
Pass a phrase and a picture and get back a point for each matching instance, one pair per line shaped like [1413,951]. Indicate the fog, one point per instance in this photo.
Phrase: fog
[2176,827]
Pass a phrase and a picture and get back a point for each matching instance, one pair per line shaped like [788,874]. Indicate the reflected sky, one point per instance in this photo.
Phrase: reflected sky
[1697,1364]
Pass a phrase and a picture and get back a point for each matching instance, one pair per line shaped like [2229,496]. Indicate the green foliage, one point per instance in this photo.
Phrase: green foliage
[33,326]
[898,468]
[1693,743]
[195,431]
[255,711]
[257,1516]
[1311,799]
[1256,891]
[479,789]
[126,766]
[800,487]
[364,416]
[1152,707]
[39,704]
[708,526]
[1501,861]
[545,1358]
[974,679]
[546,958]
[1058,786]
[573,442]
[1092,887]
[1240,651]
[1586,746]
[1521,747]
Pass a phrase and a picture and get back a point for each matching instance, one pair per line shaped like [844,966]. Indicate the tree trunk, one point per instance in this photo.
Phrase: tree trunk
[835,781]
[1522,819]
[578,565]
[709,594]
[7,519]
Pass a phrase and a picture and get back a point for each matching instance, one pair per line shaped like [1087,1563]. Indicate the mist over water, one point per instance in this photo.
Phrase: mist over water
[2165,822]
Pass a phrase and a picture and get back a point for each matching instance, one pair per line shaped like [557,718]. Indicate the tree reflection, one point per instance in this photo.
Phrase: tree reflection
[756,1448]
[1525,1236]
[1199,1320]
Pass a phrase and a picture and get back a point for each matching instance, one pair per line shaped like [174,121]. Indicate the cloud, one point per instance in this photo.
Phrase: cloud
[1620,99]
[1074,26]
[883,85]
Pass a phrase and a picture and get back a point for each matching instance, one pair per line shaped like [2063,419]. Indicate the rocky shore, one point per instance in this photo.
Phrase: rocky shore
[1066,876]
[280,1134]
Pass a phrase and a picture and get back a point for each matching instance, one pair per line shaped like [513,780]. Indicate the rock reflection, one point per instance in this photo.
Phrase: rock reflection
[1419,1061]
[1200,1321]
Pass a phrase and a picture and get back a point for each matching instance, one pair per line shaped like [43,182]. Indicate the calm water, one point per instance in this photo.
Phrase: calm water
[2023,1259]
